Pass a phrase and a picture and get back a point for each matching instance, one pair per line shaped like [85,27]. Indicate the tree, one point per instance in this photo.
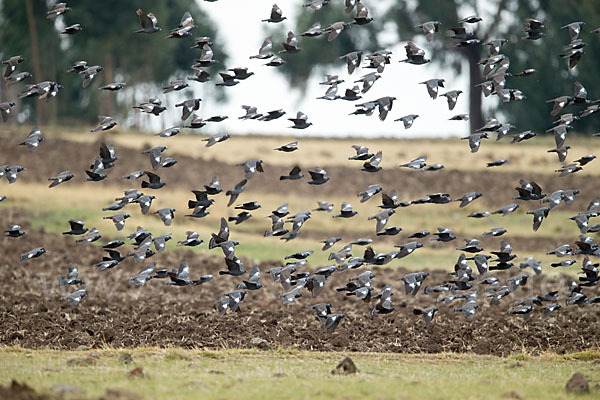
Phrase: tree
[108,40]
[502,19]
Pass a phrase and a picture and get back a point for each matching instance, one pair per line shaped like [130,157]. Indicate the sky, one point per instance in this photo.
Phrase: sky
[240,27]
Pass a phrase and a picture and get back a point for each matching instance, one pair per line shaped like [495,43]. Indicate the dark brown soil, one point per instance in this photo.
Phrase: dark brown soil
[116,314]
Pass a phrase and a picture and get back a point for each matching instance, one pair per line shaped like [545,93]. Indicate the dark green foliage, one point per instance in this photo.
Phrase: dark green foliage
[108,40]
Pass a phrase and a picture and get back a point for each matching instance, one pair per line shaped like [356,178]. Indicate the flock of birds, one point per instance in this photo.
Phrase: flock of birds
[467,283]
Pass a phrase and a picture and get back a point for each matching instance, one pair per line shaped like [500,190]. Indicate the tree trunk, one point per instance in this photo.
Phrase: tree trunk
[477,120]
[35,53]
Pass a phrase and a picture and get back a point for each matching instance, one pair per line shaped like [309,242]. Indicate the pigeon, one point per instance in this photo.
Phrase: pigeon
[11,80]
[429,29]
[60,178]
[37,252]
[353,60]
[497,163]
[288,148]
[529,191]
[335,29]
[205,60]
[385,105]
[235,192]
[413,282]
[92,236]
[346,211]
[523,136]
[265,50]
[75,298]
[89,74]
[362,153]
[250,205]
[290,46]
[407,120]
[154,181]
[318,176]
[294,174]
[475,140]
[105,124]
[444,235]
[11,65]
[534,29]
[180,277]
[495,232]
[538,216]
[369,192]
[301,121]
[148,22]
[417,163]
[368,81]
[144,275]
[250,167]
[382,218]
[118,219]
[14,231]
[78,66]
[241,73]
[460,117]
[77,228]
[59,9]
[467,198]
[169,132]
[166,215]
[218,138]
[188,107]
[71,279]
[113,87]
[432,86]
[471,246]
[452,97]
[414,55]
[427,313]
[72,29]
[316,5]
[314,30]
[324,206]
[5,110]
[272,115]
[332,321]
[373,164]
[276,15]
[228,79]
[152,106]
[192,239]
[184,27]
[230,302]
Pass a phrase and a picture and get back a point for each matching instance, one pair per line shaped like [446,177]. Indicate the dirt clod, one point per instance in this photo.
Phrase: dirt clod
[136,373]
[345,367]
[578,384]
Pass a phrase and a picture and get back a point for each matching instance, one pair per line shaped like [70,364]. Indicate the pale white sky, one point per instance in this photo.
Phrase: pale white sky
[240,26]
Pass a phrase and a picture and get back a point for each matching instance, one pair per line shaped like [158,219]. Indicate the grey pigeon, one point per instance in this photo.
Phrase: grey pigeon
[148,22]
[218,138]
[276,15]
[58,9]
[37,252]
[318,176]
[60,178]
[75,298]
[166,215]
[154,181]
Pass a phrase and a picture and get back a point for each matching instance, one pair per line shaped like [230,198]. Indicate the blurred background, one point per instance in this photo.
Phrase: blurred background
[149,62]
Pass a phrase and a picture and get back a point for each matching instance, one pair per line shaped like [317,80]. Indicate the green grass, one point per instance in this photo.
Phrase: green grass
[289,374]
[52,209]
